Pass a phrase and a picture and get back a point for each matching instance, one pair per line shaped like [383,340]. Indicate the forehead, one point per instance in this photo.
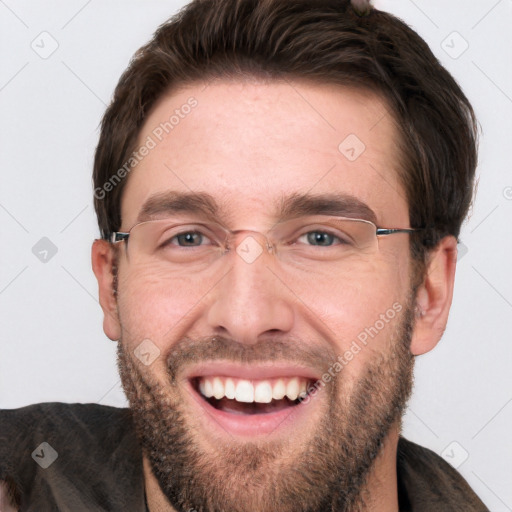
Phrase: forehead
[250,145]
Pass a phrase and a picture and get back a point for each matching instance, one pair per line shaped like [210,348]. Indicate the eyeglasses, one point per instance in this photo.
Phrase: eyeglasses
[313,244]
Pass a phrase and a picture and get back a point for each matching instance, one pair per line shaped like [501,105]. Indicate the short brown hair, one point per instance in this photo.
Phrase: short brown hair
[325,41]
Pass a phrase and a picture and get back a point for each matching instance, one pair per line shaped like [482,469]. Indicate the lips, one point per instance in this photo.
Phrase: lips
[249,400]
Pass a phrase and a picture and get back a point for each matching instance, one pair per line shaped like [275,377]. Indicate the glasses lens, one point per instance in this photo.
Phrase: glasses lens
[175,243]
[326,238]
[305,242]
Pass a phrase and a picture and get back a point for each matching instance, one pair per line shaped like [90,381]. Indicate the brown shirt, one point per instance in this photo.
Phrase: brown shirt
[86,457]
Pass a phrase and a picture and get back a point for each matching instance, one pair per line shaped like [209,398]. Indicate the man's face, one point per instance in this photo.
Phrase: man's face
[260,325]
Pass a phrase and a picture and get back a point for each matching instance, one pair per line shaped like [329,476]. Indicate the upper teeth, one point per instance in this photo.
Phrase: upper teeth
[261,391]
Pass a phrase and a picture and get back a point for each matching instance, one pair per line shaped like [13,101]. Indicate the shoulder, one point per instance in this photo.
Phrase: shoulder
[67,425]
[428,482]
[57,413]
[63,446]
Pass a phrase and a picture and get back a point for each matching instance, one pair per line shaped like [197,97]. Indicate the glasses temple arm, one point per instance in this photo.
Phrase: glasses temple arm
[118,236]
[390,231]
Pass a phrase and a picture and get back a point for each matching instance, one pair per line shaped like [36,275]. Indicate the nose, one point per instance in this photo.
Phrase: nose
[250,300]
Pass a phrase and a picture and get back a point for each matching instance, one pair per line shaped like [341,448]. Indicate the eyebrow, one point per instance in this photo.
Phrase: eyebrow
[296,205]
[198,203]
[339,205]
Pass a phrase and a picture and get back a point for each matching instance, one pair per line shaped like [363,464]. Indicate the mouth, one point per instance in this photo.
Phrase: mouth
[242,396]
[251,401]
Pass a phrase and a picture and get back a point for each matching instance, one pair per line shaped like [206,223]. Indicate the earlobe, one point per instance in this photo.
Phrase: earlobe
[434,297]
[103,262]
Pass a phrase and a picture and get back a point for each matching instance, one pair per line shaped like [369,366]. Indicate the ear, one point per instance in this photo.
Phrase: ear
[434,297]
[103,259]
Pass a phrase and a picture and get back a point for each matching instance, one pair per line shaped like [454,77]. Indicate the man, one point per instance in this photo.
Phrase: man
[279,189]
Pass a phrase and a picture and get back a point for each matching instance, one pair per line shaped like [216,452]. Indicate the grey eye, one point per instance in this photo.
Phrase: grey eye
[189,239]
[320,238]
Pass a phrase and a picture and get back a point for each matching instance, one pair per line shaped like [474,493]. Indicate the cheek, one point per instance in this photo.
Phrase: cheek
[153,305]
[364,309]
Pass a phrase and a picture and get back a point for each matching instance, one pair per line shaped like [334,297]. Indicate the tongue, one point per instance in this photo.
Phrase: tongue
[234,407]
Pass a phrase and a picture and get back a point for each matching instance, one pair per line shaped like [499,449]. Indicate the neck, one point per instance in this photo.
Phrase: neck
[380,492]
[155,498]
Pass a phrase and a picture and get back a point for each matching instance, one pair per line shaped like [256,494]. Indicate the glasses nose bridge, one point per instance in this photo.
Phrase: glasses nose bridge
[249,243]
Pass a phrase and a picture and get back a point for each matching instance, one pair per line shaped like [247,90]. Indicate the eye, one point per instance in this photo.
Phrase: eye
[178,236]
[189,239]
[320,238]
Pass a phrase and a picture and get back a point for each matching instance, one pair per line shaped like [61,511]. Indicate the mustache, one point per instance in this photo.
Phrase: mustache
[292,351]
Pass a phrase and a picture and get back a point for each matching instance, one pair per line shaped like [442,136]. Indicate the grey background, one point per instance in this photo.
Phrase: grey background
[52,344]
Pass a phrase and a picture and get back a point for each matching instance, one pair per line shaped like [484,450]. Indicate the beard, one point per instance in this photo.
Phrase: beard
[328,473]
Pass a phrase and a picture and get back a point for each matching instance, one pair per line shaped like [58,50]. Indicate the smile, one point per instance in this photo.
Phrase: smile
[239,395]
[240,403]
